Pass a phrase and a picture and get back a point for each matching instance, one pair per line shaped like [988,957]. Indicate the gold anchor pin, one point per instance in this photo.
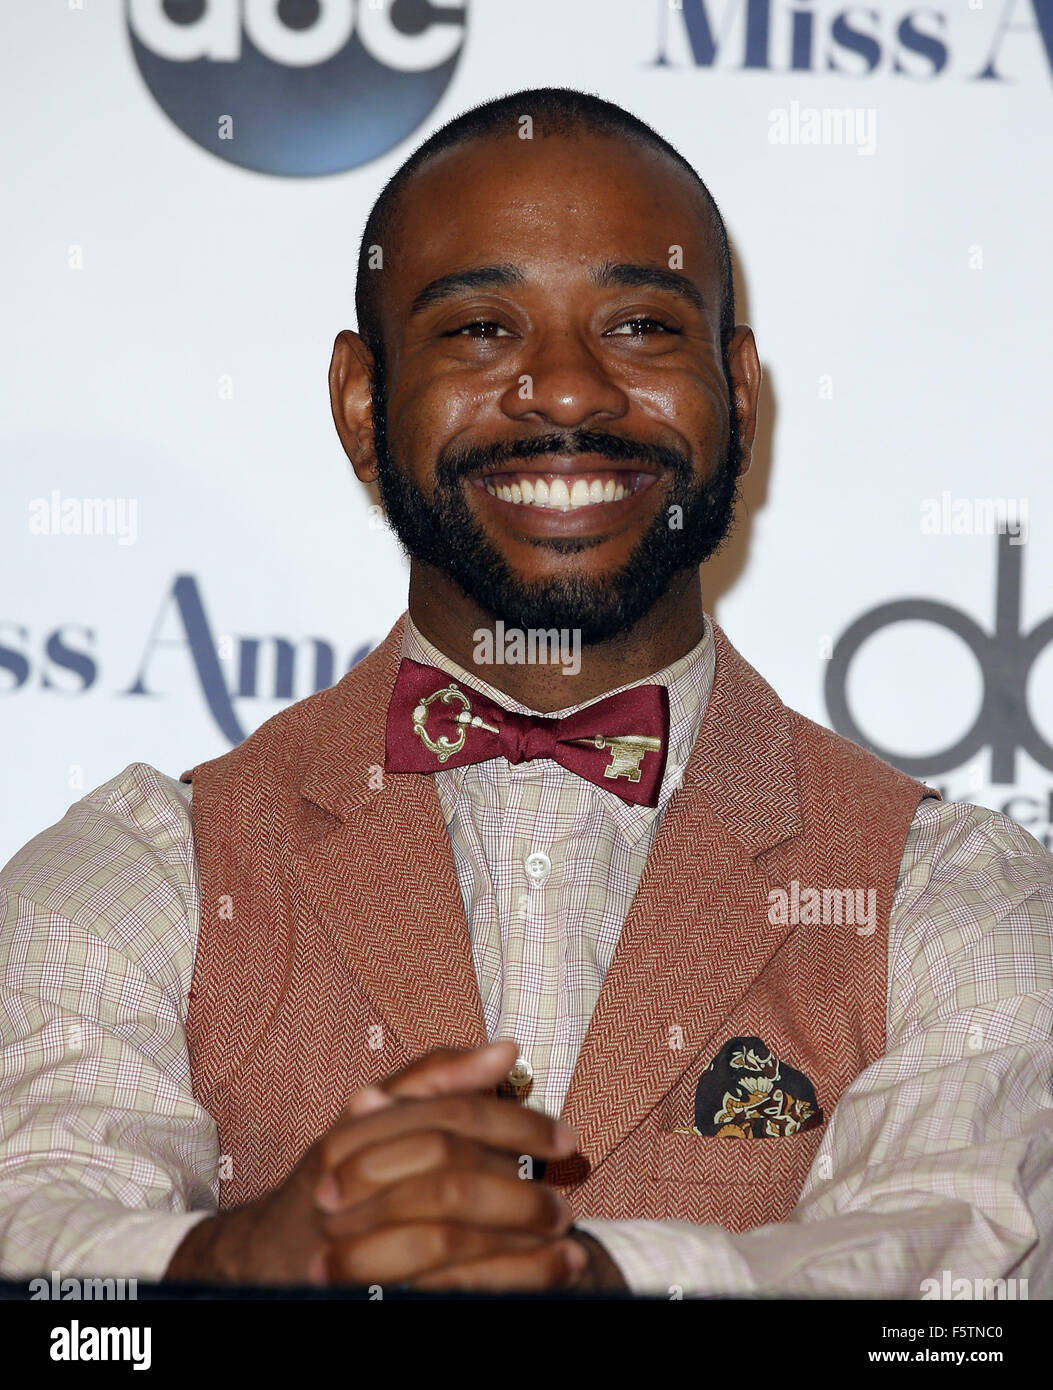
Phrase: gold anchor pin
[444,747]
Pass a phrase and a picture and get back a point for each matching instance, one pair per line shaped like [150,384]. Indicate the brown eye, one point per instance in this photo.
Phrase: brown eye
[640,326]
[487,328]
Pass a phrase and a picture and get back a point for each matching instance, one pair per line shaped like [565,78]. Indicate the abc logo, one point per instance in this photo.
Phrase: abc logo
[296,87]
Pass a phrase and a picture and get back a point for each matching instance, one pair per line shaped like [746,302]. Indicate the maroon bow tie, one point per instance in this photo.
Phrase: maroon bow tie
[619,743]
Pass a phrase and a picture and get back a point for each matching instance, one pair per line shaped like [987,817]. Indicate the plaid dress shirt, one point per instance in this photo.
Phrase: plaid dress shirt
[938,1157]
[548,864]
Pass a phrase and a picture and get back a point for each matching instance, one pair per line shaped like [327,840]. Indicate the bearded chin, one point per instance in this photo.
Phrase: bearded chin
[441,531]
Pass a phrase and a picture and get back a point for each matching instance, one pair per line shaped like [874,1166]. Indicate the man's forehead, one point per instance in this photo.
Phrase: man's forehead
[574,172]
[493,202]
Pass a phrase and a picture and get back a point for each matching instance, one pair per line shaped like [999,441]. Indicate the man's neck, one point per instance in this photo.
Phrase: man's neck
[453,623]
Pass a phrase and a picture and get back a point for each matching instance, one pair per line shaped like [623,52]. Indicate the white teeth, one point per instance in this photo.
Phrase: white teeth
[559,494]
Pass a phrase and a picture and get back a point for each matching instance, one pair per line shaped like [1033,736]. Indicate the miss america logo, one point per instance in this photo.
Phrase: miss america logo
[999,41]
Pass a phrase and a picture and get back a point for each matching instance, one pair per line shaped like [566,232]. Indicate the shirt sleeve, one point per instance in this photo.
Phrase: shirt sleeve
[106,1159]
[938,1160]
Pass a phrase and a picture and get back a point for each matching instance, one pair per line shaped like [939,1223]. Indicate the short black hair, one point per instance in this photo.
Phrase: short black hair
[554,111]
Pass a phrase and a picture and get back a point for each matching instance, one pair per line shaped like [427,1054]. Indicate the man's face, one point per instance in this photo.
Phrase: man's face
[551,424]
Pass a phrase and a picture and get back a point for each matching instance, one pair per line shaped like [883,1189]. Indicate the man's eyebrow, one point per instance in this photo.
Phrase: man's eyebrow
[651,277]
[625,274]
[481,277]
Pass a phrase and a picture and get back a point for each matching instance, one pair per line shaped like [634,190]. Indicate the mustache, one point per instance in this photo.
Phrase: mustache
[460,461]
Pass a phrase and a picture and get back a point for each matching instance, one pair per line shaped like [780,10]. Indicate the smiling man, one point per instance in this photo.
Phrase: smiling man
[488,969]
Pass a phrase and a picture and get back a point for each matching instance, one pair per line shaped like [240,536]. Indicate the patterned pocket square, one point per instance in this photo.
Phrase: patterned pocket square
[748,1093]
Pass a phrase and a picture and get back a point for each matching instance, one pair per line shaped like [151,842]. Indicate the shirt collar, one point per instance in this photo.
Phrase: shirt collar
[689,681]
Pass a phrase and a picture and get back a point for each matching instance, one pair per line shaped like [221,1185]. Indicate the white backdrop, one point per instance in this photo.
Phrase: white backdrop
[170,314]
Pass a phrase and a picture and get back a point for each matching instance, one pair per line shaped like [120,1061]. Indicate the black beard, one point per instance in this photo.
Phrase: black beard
[441,530]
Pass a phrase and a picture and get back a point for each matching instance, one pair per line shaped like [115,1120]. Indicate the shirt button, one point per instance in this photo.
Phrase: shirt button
[521,1074]
[538,866]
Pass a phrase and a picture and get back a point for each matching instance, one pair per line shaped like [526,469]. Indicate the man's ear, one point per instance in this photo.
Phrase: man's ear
[350,375]
[745,368]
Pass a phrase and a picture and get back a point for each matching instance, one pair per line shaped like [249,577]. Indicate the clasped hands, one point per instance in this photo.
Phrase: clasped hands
[419,1182]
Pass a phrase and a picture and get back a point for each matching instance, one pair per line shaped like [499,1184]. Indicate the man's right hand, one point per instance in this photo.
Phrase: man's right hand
[420,1173]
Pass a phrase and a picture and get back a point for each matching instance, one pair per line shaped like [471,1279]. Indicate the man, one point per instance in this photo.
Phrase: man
[792,1009]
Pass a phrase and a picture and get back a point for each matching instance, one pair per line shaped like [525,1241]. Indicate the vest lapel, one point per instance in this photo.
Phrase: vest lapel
[697,933]
[381,877]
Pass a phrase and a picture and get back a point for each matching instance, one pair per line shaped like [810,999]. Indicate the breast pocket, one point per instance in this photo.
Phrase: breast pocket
[781,1162]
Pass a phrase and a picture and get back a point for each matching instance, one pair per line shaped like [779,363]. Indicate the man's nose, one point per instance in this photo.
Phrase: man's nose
[562,381]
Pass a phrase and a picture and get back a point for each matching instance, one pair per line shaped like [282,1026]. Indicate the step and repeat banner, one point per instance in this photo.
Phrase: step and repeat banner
[183,548]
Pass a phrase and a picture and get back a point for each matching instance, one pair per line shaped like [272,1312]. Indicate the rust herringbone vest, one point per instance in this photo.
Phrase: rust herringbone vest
[334,949]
